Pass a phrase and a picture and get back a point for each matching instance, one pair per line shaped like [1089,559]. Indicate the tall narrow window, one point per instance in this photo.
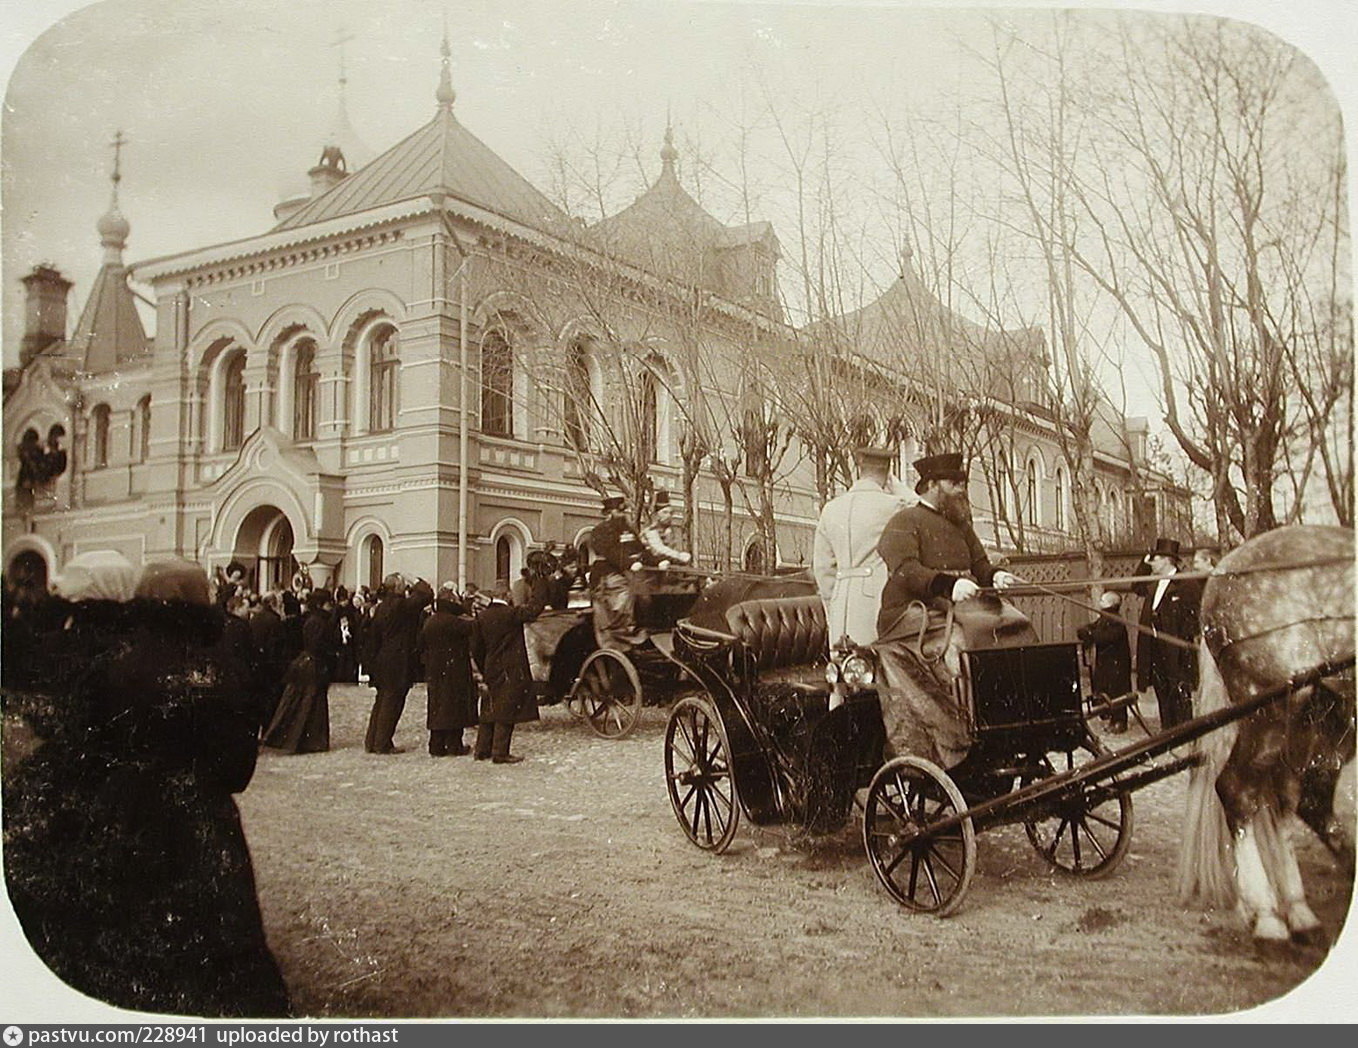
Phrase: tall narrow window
[99,423]
[1059,515]
[384,361]
[577,395]
[649,418]
[754,437]
[143,429]
[1030,493]
[503,564]
[375,574]
[497,385]
[304,385]
[233,403]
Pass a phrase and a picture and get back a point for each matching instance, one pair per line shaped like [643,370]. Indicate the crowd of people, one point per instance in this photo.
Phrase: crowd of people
[911,578]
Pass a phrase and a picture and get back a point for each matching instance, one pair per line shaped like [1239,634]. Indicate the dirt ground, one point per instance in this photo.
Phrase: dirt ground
[563,887]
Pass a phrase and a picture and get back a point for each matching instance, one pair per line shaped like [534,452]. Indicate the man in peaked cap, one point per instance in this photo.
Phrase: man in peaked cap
[849,571]
[1169,613]
[936,567]
[617,553]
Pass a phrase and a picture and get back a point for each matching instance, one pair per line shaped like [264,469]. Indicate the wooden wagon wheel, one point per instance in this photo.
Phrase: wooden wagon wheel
[926,870]
[698,774]
[607,694]
[1082,834]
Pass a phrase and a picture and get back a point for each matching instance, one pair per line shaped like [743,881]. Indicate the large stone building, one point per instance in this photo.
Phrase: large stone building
[424,366]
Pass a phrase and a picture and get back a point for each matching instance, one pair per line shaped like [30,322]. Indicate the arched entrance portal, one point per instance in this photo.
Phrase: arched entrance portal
[264,546]
[26,576]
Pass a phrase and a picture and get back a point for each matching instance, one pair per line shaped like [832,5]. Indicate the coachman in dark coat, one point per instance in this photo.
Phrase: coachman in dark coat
[445,649]
[393,638]
[502,656]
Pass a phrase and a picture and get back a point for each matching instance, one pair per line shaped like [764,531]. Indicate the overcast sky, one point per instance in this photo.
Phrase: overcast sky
[225,103]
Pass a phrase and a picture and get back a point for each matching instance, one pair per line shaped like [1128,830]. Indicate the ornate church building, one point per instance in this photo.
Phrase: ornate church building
[413,370]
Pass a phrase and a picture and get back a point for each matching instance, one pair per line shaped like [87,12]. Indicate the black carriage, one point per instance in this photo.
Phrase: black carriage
[606,687]
[764,741]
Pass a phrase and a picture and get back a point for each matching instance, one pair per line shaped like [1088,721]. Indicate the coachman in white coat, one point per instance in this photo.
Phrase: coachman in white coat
[849,571]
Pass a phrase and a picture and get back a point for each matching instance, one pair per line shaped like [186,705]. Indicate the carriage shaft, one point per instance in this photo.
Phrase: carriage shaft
[1011,807]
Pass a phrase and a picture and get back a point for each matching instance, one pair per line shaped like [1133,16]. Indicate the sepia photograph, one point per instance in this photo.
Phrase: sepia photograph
[676,511]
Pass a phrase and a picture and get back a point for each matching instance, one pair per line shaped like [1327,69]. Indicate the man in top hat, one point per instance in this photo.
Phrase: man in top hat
[1169,617]
[931,602]
[849,571]
[617,553]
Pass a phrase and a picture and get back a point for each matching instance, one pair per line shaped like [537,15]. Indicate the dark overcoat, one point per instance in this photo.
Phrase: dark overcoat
[394,634]
[502,657]
[925,553]
[1176,617]
[445,648]
[1111,675]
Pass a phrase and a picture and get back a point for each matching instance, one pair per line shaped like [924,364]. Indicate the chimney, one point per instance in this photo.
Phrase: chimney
[45,318]
[329,172]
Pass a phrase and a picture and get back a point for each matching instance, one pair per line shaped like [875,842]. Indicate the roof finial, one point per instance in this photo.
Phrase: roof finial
[112,226]
[907,253]
[445,95]
[668,154]
[342,37]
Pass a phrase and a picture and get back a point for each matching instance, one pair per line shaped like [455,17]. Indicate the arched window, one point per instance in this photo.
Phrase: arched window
[373,555]
[754,558]
[578,394]
[142,429]
[384,362]
[648,422]
[1059,510]
[99,427]
[233,403]
[503,565]
[497,385]
[1030,493]
[304,385]
[1114,514]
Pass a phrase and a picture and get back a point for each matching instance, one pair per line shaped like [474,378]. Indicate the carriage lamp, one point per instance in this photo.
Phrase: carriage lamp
[857,671]
[832,672]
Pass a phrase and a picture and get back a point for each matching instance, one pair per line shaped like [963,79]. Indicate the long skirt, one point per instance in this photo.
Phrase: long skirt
[302,721]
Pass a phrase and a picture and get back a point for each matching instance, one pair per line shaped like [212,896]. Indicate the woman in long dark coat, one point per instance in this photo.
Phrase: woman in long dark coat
[302,721]
[124,854]
[502,655]
[445,648]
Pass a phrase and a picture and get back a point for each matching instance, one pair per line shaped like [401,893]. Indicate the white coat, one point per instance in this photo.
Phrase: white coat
[849,571]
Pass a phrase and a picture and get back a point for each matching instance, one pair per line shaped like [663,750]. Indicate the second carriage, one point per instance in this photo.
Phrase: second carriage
[606,686]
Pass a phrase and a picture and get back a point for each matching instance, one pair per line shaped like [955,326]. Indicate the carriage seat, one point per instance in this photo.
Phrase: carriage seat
[787,638]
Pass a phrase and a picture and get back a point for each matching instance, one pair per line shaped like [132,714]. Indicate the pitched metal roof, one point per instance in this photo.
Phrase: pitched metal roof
[442,158]
[110,331]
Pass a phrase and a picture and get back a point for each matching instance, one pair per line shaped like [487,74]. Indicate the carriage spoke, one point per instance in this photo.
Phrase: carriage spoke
[1103,855]
[1110,823]
[929,875]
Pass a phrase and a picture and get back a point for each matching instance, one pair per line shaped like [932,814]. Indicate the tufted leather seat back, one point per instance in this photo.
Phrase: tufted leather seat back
[782,631]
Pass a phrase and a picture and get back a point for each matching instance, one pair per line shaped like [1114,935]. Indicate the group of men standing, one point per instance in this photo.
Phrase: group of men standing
[909,579]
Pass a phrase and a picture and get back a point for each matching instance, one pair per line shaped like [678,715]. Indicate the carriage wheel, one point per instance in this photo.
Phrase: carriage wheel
[925,871]
[1079,837]
[607,694]
[698,774]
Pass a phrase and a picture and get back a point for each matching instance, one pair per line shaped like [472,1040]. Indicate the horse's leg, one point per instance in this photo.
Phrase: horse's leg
[1240,787]
[1280,860]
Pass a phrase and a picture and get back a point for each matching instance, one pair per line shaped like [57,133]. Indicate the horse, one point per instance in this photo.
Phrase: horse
[1278,609]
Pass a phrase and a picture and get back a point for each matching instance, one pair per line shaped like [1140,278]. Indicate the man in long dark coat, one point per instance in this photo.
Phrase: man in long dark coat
[272,642]
[1111,675]
[502,657]
[445,648]
[936,567]
[617,553]
[1169,615]
[395,631]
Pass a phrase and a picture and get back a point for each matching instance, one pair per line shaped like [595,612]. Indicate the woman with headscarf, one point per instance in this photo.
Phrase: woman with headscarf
[124,853]
[301,723]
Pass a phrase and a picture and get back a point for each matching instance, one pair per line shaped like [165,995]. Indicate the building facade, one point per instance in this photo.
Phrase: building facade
[425,366]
